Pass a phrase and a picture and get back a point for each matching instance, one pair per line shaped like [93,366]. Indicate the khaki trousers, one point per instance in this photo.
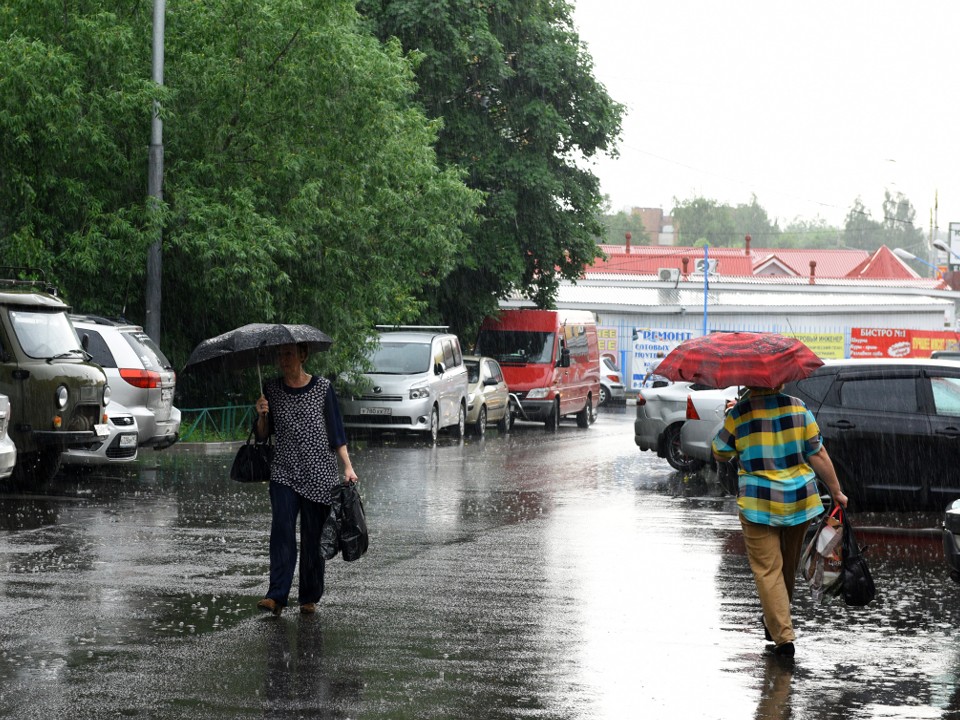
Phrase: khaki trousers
[774,554]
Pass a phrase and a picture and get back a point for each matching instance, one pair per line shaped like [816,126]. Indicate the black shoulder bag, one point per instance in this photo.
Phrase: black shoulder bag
[252,461]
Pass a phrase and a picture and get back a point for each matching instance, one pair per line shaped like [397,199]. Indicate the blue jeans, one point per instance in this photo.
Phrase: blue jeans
[286,505]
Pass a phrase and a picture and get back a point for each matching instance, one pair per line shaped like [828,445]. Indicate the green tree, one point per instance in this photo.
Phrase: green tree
[860,230]
[520,108]
[810,234]
[899,222]
[703,221]
[617,225]
[301,183]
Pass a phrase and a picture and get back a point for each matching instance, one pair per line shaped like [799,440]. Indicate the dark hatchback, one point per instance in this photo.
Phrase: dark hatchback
[892,428]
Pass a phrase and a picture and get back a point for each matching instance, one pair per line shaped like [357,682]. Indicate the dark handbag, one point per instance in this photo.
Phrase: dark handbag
[252,461]
[345,530]
[856,583]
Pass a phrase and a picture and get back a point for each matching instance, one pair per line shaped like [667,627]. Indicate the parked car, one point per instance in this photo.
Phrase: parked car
[661,413]
[57,394]
[418,383]
[142,379]
[612,388]
[945,355]
[951,539]
[550,359]
[488,398]
[8,451]
[120,446]
[705,412]
[892,428]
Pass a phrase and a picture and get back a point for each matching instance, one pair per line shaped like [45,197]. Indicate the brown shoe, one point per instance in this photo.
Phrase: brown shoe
[308,608]
[270,605]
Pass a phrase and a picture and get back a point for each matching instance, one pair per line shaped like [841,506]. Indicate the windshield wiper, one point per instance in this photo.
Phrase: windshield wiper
[68,353]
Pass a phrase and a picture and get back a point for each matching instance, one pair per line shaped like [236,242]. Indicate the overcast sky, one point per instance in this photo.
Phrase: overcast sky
[807,105]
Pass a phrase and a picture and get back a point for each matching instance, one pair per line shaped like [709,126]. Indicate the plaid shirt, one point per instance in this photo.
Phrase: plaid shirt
[773,435]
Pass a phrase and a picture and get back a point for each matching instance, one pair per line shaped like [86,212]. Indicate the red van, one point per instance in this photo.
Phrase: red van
[550,360]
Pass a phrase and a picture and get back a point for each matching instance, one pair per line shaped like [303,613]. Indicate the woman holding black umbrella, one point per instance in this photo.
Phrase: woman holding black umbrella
[301,412]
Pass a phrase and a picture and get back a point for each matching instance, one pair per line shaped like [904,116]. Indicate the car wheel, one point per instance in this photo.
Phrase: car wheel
[460,429]
[587,416]
[728,477]
[434,425]
[480,427]
[552,423]
[504,424]
[670,442]
[604,395]
[36,468]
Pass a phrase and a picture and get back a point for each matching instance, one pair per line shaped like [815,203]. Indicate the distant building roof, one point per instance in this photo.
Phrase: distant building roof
[764,265]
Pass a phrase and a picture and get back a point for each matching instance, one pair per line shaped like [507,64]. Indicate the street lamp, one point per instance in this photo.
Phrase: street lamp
[941,245]
[906,255]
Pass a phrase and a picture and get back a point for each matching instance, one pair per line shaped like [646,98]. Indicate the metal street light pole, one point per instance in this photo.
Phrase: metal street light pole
[155,182]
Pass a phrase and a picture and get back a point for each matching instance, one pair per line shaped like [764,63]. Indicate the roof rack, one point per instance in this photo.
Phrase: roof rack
[438,328]
[39,284]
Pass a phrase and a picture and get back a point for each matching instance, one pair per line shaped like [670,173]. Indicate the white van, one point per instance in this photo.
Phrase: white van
[418,383]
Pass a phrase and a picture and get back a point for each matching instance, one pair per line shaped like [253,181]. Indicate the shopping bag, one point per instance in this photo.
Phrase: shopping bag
[820,562]
[855,579]
[252,461]
[345,530]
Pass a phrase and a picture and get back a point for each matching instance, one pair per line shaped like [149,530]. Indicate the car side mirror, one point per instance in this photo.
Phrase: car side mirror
[490,381]
[85,341]
[564,358]
[439,369]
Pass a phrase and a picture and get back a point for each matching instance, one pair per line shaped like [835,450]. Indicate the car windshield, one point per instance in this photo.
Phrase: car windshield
[516,346]
[45,334]
[400,358]
[147,350]
[473,371]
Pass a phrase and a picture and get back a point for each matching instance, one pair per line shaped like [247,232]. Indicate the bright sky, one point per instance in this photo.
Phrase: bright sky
[807,105]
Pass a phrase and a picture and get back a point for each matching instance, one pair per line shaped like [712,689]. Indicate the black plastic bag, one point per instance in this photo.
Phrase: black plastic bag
[252,462]
[856,582]
[345,530]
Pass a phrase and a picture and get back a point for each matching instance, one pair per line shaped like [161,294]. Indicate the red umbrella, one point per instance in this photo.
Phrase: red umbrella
[739,358]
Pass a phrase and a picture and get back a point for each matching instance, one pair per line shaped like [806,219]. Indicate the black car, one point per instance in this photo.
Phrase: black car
[892,428]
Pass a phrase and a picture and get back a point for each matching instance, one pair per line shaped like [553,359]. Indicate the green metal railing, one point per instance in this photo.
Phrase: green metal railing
[216,424]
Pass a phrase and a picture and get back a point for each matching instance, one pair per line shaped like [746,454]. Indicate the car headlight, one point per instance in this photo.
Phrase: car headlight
[107,392]
[62,396]
[419,393]
[538,393]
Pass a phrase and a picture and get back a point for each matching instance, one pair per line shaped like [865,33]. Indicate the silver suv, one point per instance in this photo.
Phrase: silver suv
[417,382]
[141,377]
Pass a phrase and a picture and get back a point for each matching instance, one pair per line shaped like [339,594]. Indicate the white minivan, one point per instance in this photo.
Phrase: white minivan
[417,382]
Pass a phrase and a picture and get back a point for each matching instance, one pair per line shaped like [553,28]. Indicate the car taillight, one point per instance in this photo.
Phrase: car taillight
[613,378]
[641,400]
[692,413]
[146,379]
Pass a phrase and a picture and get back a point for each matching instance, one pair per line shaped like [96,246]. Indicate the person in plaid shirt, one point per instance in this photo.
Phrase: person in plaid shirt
[777,442]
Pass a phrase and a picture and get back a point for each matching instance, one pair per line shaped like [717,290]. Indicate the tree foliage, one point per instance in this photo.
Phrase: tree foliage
[520,108]
[702,221]
[617,225]
[897,228]
[300,183]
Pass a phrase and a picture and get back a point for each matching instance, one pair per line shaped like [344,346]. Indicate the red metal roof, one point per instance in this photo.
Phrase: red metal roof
[881,265]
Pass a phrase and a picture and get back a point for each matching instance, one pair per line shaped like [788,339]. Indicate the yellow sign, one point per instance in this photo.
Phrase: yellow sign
[607,338]
[828,346]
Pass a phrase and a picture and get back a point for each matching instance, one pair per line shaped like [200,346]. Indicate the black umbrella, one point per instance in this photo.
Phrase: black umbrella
[253,344]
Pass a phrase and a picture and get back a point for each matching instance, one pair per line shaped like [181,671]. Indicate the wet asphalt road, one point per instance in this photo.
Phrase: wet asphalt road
[526,576]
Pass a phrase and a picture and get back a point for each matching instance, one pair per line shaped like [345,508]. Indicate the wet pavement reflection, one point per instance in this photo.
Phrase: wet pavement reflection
[541,575]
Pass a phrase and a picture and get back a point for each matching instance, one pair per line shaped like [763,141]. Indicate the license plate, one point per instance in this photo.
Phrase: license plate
[376,411]
[101,430]
[166,394]
[128,441]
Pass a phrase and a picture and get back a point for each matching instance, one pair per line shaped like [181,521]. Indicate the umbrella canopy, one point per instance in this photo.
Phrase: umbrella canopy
[739,358]
[253,345]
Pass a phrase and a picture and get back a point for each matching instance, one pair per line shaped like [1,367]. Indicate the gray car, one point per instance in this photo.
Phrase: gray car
[417,382]
[142,379]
